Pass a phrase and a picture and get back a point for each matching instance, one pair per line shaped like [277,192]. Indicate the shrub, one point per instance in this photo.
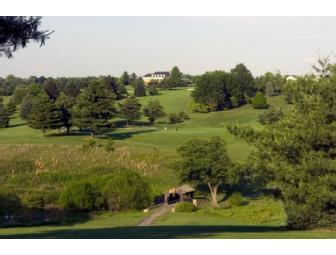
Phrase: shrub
[185,207]
[271,116]
[152,90]
[236,199]
[81,196]
[259,101]
[183,115]
[109,146]
[174,118]
[9,203]
[197,107]
[126,190]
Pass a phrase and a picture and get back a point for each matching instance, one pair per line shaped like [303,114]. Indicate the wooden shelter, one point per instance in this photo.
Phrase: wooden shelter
[179,194]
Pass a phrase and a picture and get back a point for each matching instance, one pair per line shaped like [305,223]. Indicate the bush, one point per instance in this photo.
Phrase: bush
[9,203]
[183,115]
[185,207]
[197,107]
[126,190]
[174,118]
[235,200]
[152,90]
[109,146]
[81,196]
[271,116]
[259,101]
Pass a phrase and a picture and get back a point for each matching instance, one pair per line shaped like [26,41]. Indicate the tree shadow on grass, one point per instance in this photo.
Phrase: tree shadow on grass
[150,232]
[125,135]
[16,125]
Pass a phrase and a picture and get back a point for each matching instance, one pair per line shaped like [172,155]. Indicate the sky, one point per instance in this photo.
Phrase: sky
[83,46]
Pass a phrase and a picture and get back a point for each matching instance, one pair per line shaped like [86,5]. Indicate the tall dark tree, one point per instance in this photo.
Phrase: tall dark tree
[44,114]
[65,103]
[26,107]
[130,109]
[94,107]
[125,78]
[133,78]
[175,77]
[51,89]
[72,88]
[17,31]
[242,83]
[213,90]
[139,88]
[4,115]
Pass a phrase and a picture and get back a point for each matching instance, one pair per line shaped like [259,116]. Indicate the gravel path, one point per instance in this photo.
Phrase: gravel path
[157,213]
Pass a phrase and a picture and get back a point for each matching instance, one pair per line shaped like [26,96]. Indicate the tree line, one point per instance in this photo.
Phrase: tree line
[219,90]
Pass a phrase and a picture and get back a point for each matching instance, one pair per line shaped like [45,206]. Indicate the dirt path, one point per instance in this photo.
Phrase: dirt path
[157,213]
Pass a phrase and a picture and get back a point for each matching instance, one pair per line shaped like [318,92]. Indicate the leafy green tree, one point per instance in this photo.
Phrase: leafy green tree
[44,114]
[213,90]
[94,107]
[132,78]
[139,88]
[51,89]
[19,94]
[130,109]
[207,162]
[18,31]
[242,83]
[11,107]
[125,78]
[116,86]
[259,101]
[175,78]
[65,104]
[26,107]
[298,153]
[4,115]
[154,110]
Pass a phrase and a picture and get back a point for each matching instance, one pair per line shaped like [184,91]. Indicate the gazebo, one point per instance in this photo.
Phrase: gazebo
[179,194]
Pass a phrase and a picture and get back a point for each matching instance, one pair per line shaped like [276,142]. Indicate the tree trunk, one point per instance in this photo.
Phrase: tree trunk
[213,190]
[44,132]
[92,135]
[68,130]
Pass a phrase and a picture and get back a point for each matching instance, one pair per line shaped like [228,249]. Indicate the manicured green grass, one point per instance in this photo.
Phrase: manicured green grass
[264,219]
[163,135]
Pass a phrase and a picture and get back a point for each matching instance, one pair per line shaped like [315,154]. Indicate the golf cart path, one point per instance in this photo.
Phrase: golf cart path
[147,221]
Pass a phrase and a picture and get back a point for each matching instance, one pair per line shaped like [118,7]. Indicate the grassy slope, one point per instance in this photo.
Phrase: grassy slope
[199,126]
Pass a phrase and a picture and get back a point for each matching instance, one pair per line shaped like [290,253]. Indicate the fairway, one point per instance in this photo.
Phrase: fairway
[162,135]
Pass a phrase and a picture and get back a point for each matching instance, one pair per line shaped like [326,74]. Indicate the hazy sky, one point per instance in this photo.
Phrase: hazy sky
[82,46]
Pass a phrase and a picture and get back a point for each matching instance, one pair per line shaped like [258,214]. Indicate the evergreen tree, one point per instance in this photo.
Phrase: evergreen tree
[259,101]
[94,107]
[154,110]
[130,109]
[139,88]
[11,107]
[125,79]
[44,114]
[26,107]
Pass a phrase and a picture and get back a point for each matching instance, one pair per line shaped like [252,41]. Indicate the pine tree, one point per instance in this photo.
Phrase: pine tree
[4,116]
[259,101]
[44,114]
[130,109]
[95,107]
[139,88]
